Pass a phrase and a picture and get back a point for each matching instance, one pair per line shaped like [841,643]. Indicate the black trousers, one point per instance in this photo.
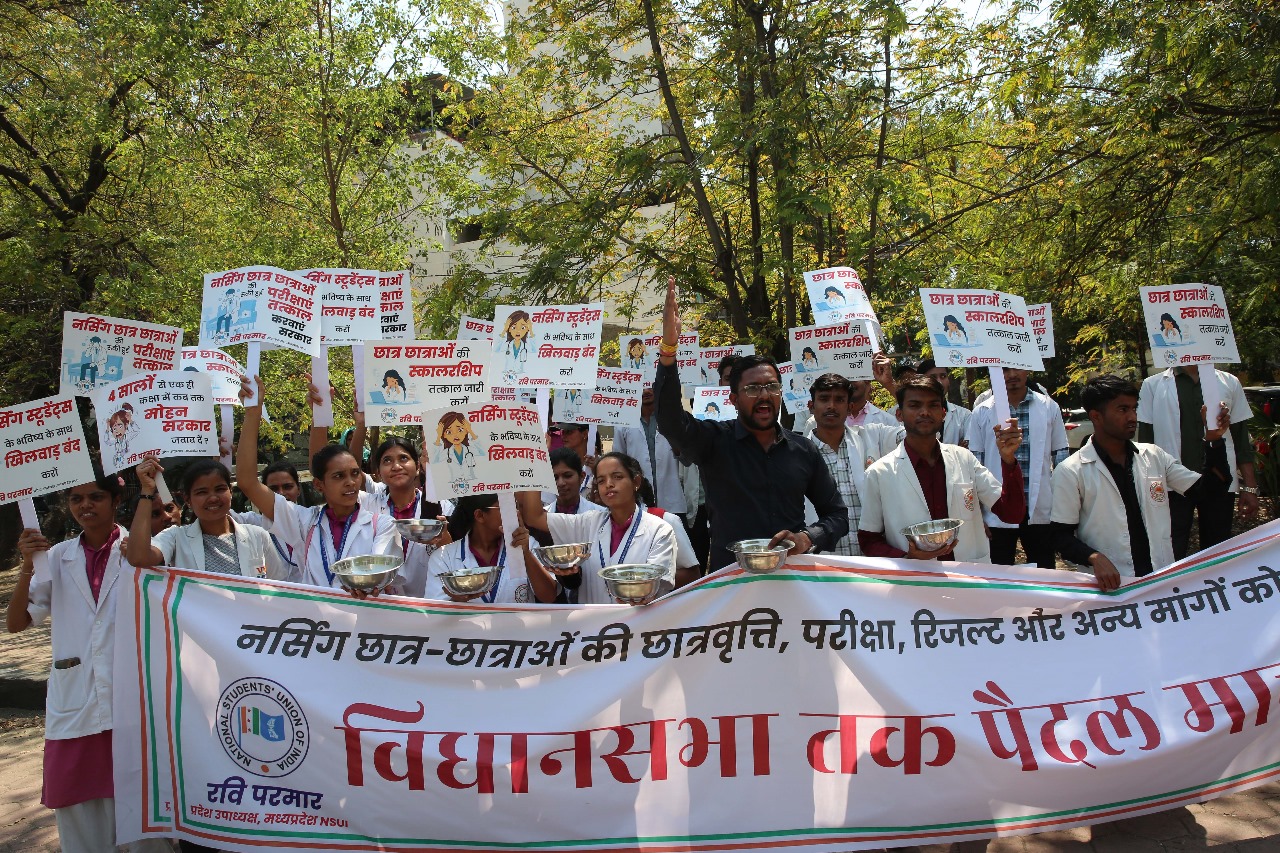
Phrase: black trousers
[1216,509]
[1037,542]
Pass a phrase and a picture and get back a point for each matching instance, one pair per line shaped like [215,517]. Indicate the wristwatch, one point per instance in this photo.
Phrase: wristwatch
[143,496]
[1250,490]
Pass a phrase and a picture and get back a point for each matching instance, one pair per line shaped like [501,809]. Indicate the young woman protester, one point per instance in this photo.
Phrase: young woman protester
[214,542]
[78,590]
[320,536]
[398,494]
[476,526]
[623,532]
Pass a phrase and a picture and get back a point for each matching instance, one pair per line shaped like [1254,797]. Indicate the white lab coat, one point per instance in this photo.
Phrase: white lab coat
[654,543]
[79,697]
[584,505]
[512,588]
[894,500]
[414,574]
[183,547]
[1085,494]
[282,549]
[1047,434]
[1158,406]
[373,532]
[955,428]
[665,479]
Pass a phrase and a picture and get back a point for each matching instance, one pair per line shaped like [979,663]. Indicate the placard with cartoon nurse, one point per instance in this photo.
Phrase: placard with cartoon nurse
[553,345]
[486,448]
[980,328]
[402,378]
[1188,324]
[836,295]
[260,305]
[711,403]
[614,401]
[845,348]
[98,350]
[155,414]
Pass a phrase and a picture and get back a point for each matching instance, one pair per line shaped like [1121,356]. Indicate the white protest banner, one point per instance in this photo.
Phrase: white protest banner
[553,345]
[1188,324]
[349,304]
[711,403]
[260,305]
[845,348]
[485,448]
[395,306]
[836,295]
[1041,317]
[523,396]
[709,359]
[795,388]
[614,401]
[979,328]
[224,372]
[640,352]
[99,350]
[474,329]
[155,414]
[933,719]
[44,448]
[403,378]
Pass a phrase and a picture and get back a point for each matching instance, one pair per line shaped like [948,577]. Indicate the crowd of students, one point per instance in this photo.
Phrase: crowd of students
[674,492]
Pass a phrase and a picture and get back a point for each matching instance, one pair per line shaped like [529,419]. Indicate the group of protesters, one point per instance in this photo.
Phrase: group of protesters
[676,492]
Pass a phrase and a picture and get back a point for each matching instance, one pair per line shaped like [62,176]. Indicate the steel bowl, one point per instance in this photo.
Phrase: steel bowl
[934,535]
[470,581]
[633,583]
[420,530]
[370,573]
[755,555]
[563,558]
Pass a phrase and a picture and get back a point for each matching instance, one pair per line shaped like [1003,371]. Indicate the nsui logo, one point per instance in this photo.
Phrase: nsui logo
[262,727]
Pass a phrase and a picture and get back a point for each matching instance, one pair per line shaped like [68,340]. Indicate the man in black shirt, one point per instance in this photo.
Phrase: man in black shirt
[755,473]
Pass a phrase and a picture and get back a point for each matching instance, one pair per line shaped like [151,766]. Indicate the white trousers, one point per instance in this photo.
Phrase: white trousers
[91,828]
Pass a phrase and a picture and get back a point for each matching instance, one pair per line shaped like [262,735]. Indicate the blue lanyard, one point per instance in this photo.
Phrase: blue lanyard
[635,526]
[342,543]
[492,594]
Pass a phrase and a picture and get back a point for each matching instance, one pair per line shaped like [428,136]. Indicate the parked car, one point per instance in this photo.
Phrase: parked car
[1079,427]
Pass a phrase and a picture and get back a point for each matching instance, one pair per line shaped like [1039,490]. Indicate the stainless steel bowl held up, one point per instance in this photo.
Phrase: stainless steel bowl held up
[755,555]
[934,535]
[420,530]
[370,573]
[633,583]
[470,581]
[563,559]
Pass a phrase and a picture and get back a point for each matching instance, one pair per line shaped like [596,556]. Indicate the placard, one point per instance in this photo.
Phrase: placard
[155,414]
[99,350]
[403,378]
[711,403]
[614,401]
[844,348]
[709,359]
[395,306]
[554,345]
[836,295]
[262,305]
[979,328]
[640,352]
[474,329]
[44,448]
[1041,317]
[1188,324]
[349,305]
[224,372]
[795,388]
[486,448]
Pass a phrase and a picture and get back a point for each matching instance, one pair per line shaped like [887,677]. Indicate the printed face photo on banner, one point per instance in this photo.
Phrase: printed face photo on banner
[401,379]
[99,350]
[980,328]
[836,295]
[845,348]
[553,345]
[614,401]
[711,403]
[1041,317]
[44,448]
[487,447]
[1188,324]
[224,372]
[262,305]
[155,414]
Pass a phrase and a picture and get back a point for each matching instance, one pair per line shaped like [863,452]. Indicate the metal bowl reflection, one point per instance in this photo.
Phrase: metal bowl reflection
[933,535]
[757,557]
[563,558]
[370,573]
[633,583]
[420,530]
[470,581]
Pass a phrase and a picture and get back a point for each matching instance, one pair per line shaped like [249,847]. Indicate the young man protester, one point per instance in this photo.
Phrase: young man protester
[756,473]
[957,422]
[1111,499]
[847,450]
[924,479]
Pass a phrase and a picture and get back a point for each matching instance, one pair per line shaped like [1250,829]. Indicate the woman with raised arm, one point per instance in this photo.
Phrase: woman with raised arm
[398,495]
[321,535]
[623,532]
[476,526]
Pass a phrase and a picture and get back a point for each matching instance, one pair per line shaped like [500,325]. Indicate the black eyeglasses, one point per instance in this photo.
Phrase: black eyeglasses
[756,389]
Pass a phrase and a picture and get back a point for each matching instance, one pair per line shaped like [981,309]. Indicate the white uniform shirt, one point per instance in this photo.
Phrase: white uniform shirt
[1158,406]
[652,540]
[307,530]
[584,505]
[79,697]
[956,424]
[894,500]
[1084,494]
[183,547]
[1047,436]
[415,571]
[510,588]
[662,473]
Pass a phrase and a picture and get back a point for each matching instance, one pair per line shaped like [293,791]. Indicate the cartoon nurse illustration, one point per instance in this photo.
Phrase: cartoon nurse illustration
[393,389]
[635,357]
[120,431]
[517,335]
[808,360]
[1169,330]
[711,412]
[571,403]
[453,437]
[955,332]
[228,305]
[92,361]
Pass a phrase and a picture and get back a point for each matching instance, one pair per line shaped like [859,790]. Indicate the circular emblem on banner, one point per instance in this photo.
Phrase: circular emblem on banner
[523,594]
[955,357]
[1171,356]
[390,416]
[262,727]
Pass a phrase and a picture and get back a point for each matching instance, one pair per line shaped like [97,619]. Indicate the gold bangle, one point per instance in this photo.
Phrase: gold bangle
[667,349]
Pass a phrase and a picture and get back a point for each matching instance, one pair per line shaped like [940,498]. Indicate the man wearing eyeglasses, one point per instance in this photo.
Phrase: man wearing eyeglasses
[756,474]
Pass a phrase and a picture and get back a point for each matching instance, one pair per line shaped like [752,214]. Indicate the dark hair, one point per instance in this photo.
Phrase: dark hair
[952,318]
[1168,318]
[632,466]
[394,441]
[631,343]
[112,484]
[325,455]
[808,351]
[515,317]
[464,513]
[830,382]
[747,362]
[278,466]
[920,383]
[833,290]
[925,365]
[1101,390]
[393,374]
[711,404]
[566,456]
[727,363]
[203,468]
[907,364]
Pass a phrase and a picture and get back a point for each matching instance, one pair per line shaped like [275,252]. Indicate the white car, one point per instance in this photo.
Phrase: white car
[1079,427]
